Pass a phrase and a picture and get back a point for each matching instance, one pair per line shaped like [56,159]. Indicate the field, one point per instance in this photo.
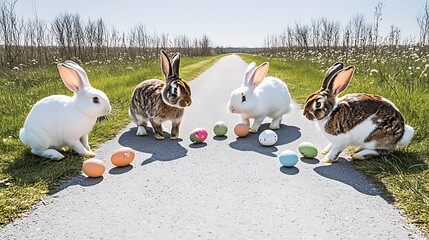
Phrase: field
[399,75]
[26,179]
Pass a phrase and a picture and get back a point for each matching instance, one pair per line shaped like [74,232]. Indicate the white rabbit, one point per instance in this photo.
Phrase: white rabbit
[57,121]
[370,122]
[259,97]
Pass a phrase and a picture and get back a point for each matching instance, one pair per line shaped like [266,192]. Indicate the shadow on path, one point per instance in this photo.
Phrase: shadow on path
[160,150]
[286,134]
[344,172]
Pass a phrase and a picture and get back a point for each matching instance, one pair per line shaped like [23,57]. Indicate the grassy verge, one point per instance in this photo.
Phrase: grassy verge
[25,178]
[404,174]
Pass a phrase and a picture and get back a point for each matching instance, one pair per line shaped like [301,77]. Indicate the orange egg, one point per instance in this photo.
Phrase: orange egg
[123,156]
[241,130]
[93,167]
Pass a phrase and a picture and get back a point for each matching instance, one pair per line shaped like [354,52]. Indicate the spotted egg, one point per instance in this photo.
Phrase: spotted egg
[268,138]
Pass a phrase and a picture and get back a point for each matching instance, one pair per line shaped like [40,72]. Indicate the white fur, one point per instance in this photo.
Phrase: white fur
[270,98]
[408,135]
[356,137]
[57,121]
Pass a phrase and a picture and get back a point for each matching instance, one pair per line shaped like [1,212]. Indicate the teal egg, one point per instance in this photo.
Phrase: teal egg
[307,149]
[288,158]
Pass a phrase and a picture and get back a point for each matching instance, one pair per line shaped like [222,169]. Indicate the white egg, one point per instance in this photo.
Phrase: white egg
[268,138]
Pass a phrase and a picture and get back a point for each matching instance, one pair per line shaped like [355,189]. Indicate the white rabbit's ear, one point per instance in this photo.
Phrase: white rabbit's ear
[79,70]
[165,65]
[341,80]
[260,73]
[72,78]
[249,72]
[175,64]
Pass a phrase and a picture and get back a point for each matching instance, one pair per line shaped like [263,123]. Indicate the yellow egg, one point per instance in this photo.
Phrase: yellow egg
[123,156]
[93,167]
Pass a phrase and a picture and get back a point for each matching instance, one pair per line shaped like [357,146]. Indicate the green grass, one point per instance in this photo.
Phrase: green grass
[24,178]
[403,175]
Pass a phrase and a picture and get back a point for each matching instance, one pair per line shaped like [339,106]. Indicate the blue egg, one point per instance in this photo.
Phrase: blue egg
[288,158]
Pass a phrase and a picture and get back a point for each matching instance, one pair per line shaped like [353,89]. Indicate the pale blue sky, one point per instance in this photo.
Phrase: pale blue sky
[227,22]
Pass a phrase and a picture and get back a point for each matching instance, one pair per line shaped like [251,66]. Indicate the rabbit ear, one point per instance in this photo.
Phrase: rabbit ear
[79,70]
[256,75]
[341,80]
[334,69]
[175,64]
[75,79]
[260,73]
[249,72]
[165,65]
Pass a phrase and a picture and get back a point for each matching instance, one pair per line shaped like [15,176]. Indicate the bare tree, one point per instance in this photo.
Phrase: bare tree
[301,34]
[358,24]
[377,19]
[423,23]
[394,36]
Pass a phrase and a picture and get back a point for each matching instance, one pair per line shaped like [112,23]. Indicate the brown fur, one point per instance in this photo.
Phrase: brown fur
[352,110]
[147,103]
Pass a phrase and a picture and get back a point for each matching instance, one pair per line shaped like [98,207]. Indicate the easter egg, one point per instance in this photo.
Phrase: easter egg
[93,167]
[220,129]
[123,156]
[198,135]
[307,149]
[268,137]
[241,130]
[288,158]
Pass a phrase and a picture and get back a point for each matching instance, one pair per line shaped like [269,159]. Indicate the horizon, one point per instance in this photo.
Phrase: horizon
[227,24]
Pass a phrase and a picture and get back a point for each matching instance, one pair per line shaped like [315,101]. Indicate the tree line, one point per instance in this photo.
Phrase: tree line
[68,36]
[356,33]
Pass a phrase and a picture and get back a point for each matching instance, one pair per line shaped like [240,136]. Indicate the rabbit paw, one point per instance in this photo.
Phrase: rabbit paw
[324,152]
[164,129]
[141,131]
[174,137]
[326,160]
[253,131]
[89,154]
[274,127]
[159,137]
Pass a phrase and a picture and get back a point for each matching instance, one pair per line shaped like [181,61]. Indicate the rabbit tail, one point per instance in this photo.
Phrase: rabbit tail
[22,136]
[408,135]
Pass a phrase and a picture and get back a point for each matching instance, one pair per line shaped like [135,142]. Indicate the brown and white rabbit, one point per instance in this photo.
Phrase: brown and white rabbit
[370,122]
[156,102]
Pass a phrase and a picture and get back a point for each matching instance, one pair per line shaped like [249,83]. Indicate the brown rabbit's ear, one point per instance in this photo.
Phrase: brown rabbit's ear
[165,65]
[175,64]
[334,69]
[341,80]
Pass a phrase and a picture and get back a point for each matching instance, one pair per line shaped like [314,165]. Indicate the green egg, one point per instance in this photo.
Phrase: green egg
[220,129]
[307,149]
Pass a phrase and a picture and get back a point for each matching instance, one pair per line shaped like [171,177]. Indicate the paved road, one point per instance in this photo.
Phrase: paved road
[226,188]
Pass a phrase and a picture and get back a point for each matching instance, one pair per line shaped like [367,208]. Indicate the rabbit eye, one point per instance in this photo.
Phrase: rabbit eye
[174,91]
[95,100]
[318,104]
[243,98]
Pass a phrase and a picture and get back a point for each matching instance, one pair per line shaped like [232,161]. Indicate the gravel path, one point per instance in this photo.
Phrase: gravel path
[226,188]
